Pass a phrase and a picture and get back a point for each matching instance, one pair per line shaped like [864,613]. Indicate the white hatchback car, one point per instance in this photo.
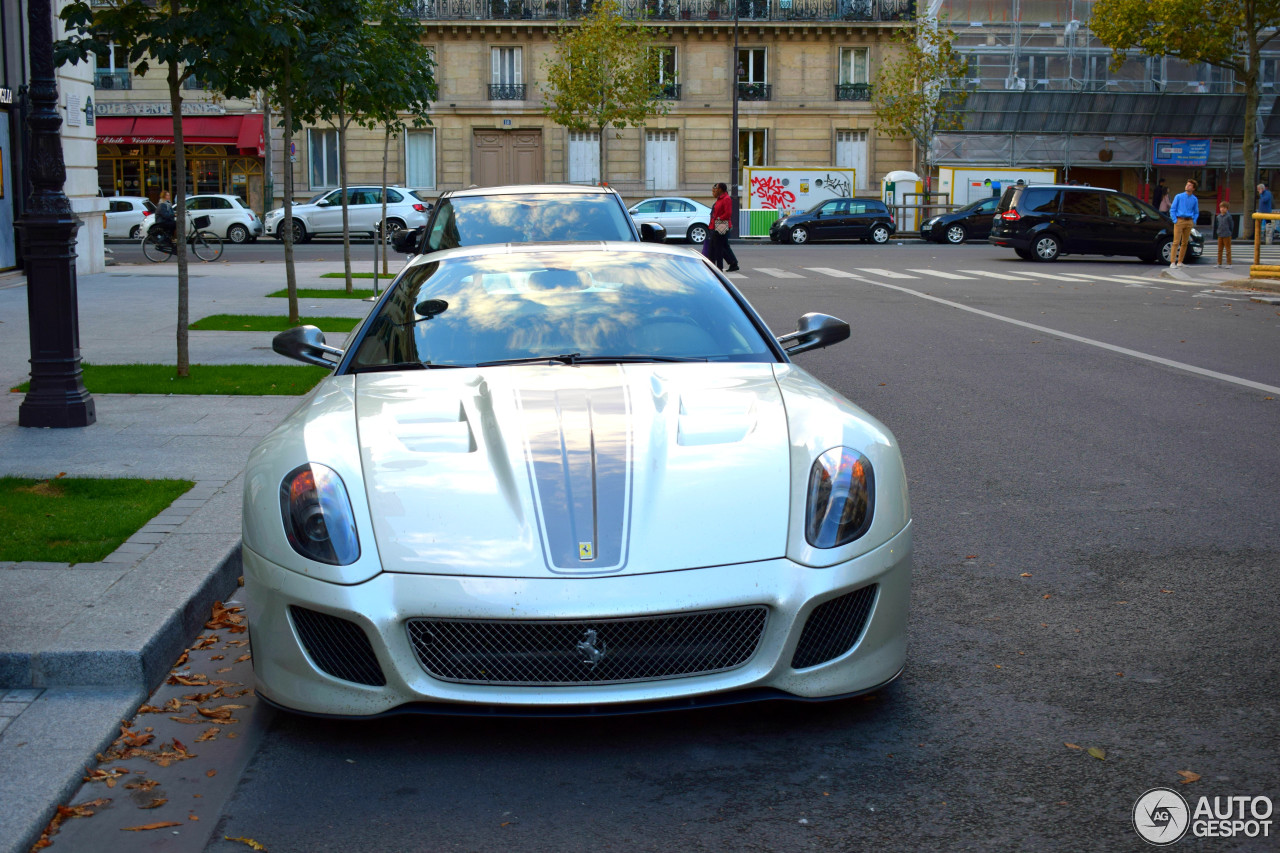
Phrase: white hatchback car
[322,215]
[229,216]
[126,214]
[683,218]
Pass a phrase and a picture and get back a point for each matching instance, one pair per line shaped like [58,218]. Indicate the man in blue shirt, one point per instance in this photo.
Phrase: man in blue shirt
[1264,206]
[1184,210]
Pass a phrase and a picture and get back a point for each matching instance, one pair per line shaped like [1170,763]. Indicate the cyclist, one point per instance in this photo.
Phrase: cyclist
[166,219]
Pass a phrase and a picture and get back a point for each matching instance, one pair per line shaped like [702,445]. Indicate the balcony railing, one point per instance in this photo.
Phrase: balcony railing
[670,10]
[112,80]
[755,92]
[506,91]
[853,92]
[670,92]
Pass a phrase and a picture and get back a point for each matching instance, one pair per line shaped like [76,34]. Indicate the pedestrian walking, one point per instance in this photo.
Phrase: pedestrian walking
[1224,228]
[1185,210]
[721,224]
[1159,194]
[1264,206]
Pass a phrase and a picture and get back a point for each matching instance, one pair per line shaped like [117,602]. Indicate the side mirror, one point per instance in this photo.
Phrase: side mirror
[305,344]
[324,204]
[814,331]
[406,241]
[652,232]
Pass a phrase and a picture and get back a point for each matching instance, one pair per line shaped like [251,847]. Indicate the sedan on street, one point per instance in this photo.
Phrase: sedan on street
[865,219]
[229,216]
[684,218]
[971,222]
[571,479]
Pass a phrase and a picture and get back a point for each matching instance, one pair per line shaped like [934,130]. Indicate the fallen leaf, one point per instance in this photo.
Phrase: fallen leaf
[109,776]
[156,803]
[244,657]
[211,773]
[192,817]
[971,557]
[149,826]
[194,680]
[1166,590]
[1071,746]
[1046,595]
[144,785]
[208,734]
[205,642]
[182,659]
[1097,752]
[253,844]
[217,657]
[224,669]
[1025,575]
[1188,777]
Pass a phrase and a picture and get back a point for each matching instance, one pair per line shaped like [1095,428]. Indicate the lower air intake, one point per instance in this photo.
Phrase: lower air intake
[834,627]
[338,647]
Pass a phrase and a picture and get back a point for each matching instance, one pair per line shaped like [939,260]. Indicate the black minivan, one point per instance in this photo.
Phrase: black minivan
[1040,222]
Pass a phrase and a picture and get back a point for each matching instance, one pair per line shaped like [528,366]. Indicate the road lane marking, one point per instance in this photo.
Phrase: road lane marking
[1155,359]
[941,274]
[777,273]
[886,273]
[1003,276]
[1054,276]
[835,273]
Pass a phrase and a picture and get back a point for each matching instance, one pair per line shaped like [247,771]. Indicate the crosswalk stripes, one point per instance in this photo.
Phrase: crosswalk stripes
[777,273]
[1003,276]
[831,272]
[1054,276]
[885,273]
[941,274]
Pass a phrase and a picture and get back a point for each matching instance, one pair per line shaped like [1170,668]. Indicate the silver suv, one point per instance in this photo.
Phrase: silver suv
[322,215]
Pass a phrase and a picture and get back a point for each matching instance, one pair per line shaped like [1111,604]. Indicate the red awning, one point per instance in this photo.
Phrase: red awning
[244,132]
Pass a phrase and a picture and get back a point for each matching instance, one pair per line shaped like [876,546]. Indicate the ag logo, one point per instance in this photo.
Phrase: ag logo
[1161,816]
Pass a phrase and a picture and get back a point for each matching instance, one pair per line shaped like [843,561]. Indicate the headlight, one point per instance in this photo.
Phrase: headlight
[317,515]
[273,214]
[840,498]
[1195,232]
[933,221]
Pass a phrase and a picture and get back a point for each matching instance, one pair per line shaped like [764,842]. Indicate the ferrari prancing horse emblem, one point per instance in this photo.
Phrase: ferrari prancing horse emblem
[586,551]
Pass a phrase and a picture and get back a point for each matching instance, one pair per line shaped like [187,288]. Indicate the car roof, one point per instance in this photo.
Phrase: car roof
[563,248]
[1063,187]
[521,189]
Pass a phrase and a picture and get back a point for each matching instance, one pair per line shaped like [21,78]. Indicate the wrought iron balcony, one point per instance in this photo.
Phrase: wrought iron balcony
[853,92]
[112,80]
[670,92]
[506,91]
[755,92]
[670,10]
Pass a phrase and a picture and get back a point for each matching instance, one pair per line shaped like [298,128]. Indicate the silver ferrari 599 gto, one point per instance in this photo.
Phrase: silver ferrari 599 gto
[571,478]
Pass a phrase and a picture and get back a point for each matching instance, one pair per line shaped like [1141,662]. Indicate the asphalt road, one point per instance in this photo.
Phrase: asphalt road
[1092,460]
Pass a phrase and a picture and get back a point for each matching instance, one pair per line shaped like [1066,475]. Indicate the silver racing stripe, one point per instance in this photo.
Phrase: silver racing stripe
[578,445]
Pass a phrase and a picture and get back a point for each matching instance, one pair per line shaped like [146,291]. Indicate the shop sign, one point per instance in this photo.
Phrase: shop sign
[158,108]
[6,95]
[1180,152]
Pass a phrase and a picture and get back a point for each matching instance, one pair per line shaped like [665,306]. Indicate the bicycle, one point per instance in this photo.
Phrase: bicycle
[207,246]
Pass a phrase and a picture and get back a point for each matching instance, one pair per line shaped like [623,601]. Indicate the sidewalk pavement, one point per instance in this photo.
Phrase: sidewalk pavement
[81,646]
[1204,273]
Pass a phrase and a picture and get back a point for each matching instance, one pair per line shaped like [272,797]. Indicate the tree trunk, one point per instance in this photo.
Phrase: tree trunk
[286,221]
[386,154]
[180,207]
[603,181]
[342,182]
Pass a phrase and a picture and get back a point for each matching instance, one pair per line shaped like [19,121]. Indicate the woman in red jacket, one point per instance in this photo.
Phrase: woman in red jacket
[722,212]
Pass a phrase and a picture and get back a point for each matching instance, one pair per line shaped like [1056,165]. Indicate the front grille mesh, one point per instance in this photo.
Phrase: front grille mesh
[338,647]
[834,627]
[601,651]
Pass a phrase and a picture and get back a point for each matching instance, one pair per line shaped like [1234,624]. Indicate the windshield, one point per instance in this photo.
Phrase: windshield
[626,305]
[534,218]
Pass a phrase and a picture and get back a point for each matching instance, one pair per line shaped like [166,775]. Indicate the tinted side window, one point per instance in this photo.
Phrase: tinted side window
[859,207]
[831,208]
[652,206]
[1082,203]
[679,206]
[1119,207]
[988,206]
[219,204]
[149,206]
[394,197]
[1038,201]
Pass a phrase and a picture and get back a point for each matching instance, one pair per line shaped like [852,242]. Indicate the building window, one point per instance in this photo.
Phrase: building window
[420,158]
[751,148]
[661,164]
[584,157]
[667,81]
[851,153]
[854,81]
[112,71]
[506,82]
[753,85]
[322,146]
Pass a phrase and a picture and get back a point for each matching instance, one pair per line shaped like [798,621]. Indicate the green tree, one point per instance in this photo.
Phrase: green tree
[185,38]
[604,74]
[1228,34]
[910,97]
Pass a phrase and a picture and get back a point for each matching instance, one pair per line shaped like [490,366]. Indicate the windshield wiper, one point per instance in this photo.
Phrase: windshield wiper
[579,358]
[401,365]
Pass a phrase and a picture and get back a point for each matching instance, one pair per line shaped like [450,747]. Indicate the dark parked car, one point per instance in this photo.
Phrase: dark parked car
[865,219]
[1041,222]
[535,213]
[971,222]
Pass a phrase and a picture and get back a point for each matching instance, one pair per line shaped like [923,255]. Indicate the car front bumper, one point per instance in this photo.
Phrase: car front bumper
[288,674]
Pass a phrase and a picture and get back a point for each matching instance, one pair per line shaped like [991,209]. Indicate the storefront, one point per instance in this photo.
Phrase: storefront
[223,155]
[8,237]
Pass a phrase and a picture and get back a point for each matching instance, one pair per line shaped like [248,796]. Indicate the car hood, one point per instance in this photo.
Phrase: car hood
[536,471]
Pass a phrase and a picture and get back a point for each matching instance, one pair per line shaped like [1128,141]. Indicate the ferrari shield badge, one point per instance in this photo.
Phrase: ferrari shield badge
[586,551]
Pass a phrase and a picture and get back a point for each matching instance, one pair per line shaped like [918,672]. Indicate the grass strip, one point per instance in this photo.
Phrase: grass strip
[77,520]
[342,275]
[326,293]
[227,379]
[265,323]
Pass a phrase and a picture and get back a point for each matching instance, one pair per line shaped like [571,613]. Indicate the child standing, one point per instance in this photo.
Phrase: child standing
[1224,226]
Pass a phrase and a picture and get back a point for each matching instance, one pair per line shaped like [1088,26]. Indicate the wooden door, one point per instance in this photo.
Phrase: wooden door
[501,157]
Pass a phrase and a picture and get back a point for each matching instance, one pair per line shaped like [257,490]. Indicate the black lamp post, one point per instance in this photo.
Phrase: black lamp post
[57,396]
